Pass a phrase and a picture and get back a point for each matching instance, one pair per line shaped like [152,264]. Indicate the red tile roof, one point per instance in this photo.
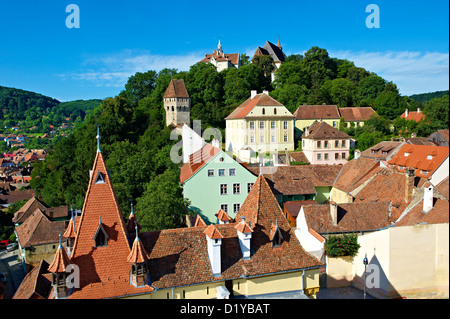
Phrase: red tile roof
[223,216]
[293,207]
[60,261]
[261,99]
[197,160]
[311,112]
[356,172]
[352,217]
[420,157]
[34,285]
[352,114]
[212,232]
[413,116]
[104,271]
[176,88]
[322,130]
[138,253]
[232,57]
[438,215]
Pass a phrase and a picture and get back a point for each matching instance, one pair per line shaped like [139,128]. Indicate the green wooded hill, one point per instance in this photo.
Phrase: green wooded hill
[425,97]
[33,109]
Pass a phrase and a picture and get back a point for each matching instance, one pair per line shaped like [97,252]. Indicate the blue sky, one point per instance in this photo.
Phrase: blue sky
[119,38]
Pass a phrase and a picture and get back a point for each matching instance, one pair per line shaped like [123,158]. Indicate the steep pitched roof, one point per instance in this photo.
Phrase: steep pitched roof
[233,58]
[420,157]
[437,215]
[271,49]
[261,99]
[176,88]
[223,216]
[322,130]
[138,253]
[104,271]
[351,114]
[27,209]
[60,261]
[212,232]
[310,112]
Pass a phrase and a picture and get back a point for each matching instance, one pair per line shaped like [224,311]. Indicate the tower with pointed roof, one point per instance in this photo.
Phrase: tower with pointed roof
[58,268]
[138,257]
[177,103]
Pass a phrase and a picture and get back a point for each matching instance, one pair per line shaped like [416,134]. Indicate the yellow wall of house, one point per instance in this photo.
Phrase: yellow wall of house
[340,197]
[301,124]
[243,286]
[40,252]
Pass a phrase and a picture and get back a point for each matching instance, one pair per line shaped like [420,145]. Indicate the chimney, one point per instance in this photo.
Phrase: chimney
[406,113]
[427,197]
[357,154]
[214,242]
[418,110]
[266,92]
[244,232]
[409,183]
[333,212]
[413,135]
[306,132]
[253,93]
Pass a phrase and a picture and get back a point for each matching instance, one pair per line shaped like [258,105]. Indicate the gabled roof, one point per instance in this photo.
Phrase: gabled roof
[176,88]
[138,253]
[223,216]
[27,209]
[37,229]
[197,160]
[233,58]
[261,99]
[351,217]
[420,157]
[322,130]
[352,114]
[356,172]
[212,232]
[271,49]
[35,285]
[413,116]
[381,150]
[311,112]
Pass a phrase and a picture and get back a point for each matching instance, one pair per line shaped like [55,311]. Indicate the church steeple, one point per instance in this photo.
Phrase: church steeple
[279,44]
[219,48]
[98,139]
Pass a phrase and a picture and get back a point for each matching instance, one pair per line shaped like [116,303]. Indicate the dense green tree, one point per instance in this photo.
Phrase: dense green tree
[339,91]
[139,86]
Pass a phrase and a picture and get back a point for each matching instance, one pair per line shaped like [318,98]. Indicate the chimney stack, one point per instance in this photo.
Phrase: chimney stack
[266,92]
[214,242]
[253,93]
[427,197]
[406,113]
[306,132]
[244,232]
[357,154]
[409,183]
[333,213]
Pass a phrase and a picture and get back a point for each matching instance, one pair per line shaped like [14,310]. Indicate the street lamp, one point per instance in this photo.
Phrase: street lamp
[365,262]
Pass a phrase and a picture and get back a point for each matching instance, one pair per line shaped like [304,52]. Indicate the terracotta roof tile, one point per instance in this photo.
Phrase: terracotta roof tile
[322,130]
[138,253]
[352,217]
[311,112]
[438,215]
[176,88]
[413,116]
[351,114]
[60,261]
[223,216]
[421,158]
[356,172]
[261,99]
[197,160]
[34,285]
[212,232]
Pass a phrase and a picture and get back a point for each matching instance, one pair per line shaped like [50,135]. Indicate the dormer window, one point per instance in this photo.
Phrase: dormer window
[429,157]
[99,179]
[100,236]
[406,154]
[275,235]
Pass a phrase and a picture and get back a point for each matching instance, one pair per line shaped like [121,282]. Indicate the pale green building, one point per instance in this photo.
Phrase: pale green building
[213,180]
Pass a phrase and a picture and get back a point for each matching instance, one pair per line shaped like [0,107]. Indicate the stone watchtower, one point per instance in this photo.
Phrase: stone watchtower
[177,103]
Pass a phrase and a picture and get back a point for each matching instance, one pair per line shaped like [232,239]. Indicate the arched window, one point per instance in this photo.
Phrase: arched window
[263,111]
[173,109]
[275,111]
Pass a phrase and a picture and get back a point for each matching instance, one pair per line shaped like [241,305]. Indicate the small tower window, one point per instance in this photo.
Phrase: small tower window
[99,179]
[100,236]
[263,111]
[275,111]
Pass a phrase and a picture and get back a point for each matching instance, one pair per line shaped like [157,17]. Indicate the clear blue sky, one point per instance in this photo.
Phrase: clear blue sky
[118,38]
